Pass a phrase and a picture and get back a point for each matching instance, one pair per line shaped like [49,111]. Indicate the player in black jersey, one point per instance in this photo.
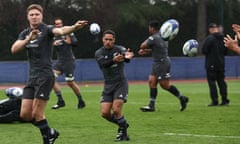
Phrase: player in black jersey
[10,107]
[160,68]
[65,64]
[111,58]
[38,39]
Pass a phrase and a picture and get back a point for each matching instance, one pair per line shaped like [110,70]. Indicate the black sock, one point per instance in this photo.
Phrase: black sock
[174,91]
[114,119]
[59,95]
[79,96]
[43,127]
[122,122]
[153,96]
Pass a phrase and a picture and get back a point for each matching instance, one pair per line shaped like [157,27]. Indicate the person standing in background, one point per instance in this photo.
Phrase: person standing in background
[215,51]
[65,65]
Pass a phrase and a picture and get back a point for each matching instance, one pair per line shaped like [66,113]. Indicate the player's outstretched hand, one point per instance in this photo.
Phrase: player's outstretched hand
[80,24]
[129,54]
[144,51]
[230,42]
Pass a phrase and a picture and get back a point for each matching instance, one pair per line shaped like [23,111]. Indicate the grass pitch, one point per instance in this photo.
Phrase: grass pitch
[198,124]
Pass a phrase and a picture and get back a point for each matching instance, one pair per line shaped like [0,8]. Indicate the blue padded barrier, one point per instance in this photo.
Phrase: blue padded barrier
[137,69]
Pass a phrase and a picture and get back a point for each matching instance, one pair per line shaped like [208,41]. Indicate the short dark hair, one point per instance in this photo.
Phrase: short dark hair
[212,25]
[109,32]
[155,24]
[58,18]
[35,6]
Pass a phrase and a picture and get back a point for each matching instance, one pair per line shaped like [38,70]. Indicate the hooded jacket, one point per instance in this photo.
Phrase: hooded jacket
[214,51]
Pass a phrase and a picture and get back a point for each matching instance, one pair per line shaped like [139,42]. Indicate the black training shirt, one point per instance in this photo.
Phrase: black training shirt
[111,71]
[39,51]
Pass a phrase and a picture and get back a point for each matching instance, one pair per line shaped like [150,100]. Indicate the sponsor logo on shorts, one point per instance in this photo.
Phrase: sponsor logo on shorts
[41,95]
[121,96]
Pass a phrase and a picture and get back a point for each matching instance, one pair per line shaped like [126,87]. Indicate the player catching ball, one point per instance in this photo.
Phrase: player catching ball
[111,58]
[160,68]
[38,39]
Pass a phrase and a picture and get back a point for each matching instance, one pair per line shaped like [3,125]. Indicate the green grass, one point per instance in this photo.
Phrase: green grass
[199,124]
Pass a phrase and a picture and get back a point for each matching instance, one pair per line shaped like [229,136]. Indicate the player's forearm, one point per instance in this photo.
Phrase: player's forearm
[64,30]
[19,45]
[106,63]
[68,29]
[144,51]
[144,45]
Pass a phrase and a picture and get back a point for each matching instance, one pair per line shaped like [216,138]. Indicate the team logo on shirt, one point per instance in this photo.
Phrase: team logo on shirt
[151,38]
[34,43]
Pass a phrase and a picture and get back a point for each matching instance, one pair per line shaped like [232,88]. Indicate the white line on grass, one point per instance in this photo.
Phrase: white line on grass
[198,135]
[176,103]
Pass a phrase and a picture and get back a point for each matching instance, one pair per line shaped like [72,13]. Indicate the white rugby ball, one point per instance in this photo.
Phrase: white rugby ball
[94,28]
[190,48]
[169,29]
[14,92]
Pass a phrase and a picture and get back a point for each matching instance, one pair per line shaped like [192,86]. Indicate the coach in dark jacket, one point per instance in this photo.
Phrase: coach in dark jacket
[214,51]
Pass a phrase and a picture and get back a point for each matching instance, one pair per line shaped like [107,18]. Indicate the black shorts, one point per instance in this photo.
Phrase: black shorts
[161,69]
[66,68]
[38,88]
[117,90]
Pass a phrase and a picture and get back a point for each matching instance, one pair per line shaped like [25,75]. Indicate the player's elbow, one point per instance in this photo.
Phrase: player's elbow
[58,31]
[143,45]
[13,50]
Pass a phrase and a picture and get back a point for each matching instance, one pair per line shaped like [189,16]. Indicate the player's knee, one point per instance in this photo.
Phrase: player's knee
[164,86]
[26,116]
[37,115]
[152,83]
[117,111]
[70,83]
[105,115]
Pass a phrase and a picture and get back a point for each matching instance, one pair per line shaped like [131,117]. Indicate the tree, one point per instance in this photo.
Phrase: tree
[129,18]
[201,22]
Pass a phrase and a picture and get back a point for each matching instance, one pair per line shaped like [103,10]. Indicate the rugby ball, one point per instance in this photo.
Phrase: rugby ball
[190,48]
[14,92]
[169,29]
[94,28]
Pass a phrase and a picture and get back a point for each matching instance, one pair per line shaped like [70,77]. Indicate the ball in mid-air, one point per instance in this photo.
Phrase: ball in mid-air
[169,29]
[14,92]
[94,28]
[190,48]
